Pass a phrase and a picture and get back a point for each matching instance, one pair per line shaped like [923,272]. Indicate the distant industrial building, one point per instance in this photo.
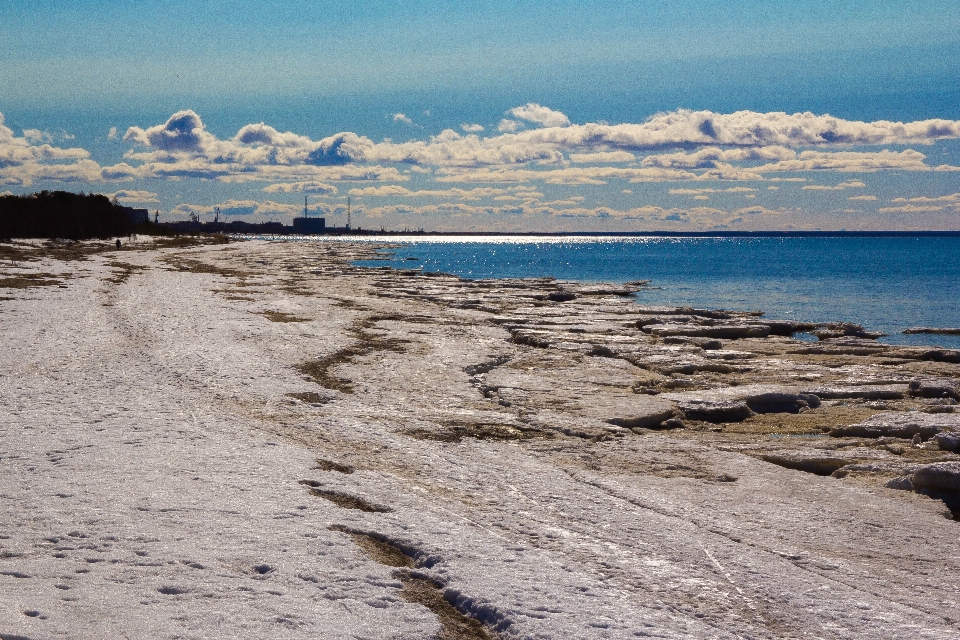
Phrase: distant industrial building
[136,216]
[307,226]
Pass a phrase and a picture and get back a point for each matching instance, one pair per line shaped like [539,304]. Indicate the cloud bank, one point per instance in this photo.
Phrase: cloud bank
[679,145]
[505,169]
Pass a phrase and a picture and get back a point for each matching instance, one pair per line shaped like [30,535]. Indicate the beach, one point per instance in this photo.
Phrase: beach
[258,439]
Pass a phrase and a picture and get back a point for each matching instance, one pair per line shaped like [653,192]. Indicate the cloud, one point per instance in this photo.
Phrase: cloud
[847,184]
[851,161]
[112,133]
[953,198]
[472,171]
[568,175]
[544,116]
[710,157]
[693,192]
[31,157]
[863,198]
[264,135]
[756,217]
[386,190]
[512,193]
[602,156]
[925,204]
[37,136]
[182,132]
[128,196]
[739,146]
[743,136]
[302,187]
[912,208]
[234,207]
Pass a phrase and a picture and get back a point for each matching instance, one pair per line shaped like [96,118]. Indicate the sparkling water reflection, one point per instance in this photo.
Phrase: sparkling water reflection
[886,284]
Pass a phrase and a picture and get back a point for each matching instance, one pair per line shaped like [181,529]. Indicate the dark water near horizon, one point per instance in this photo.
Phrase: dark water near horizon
[885,284]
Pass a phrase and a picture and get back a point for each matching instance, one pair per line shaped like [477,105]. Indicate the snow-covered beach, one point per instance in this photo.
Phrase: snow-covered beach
[258,440]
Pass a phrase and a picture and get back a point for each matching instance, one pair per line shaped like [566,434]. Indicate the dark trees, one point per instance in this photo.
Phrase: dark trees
[61,214]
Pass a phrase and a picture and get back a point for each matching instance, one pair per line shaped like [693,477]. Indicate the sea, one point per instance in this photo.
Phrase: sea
[886,284]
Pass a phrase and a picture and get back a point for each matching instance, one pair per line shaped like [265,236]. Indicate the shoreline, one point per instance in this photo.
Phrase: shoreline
[667,234]
[549,457]
[665,286]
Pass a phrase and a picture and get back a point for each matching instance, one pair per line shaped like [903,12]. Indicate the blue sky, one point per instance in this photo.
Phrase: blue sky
[476,115]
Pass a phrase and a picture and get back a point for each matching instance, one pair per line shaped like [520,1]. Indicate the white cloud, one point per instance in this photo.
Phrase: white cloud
[28,158]
[568,175]
[544,116]
[732,145]
[385,190]
[573,208]
[392,190]
[234,207]
[864,198]
[693,192]
[953,198]
[183,132]
[301,187]
[399,117]
[127,196]
[112,133]
[602,156]
[851,161]
[710,157]
[497,170]
[912,208]
[37,136]
[847,184]
[925,204]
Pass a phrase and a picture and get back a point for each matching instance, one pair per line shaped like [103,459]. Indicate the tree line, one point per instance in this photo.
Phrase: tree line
[62,214]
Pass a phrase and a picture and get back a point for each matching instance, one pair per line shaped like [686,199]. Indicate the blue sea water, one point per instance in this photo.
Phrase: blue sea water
[885,284]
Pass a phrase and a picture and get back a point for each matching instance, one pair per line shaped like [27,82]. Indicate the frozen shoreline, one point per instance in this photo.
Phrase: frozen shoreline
[172,468]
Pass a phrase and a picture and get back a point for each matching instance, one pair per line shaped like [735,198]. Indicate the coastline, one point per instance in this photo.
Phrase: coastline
[817,281]
[511,439]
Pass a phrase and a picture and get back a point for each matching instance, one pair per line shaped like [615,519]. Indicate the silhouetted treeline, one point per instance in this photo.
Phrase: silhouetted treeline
[61,214]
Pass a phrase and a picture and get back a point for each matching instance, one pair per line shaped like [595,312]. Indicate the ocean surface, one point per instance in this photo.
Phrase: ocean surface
[885,284]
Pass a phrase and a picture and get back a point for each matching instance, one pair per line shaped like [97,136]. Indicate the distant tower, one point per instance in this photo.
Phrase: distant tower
[348,213]
[306,212]
[216,214]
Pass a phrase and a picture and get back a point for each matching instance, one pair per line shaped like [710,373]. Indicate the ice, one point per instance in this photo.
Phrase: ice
[157,479]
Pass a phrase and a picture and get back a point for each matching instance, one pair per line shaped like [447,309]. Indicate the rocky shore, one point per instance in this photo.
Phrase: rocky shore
[259,439]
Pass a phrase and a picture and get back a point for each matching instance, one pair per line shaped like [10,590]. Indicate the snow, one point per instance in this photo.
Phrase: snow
[151,465]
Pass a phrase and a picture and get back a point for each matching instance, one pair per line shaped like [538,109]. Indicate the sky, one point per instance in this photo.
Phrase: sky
[494,115]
